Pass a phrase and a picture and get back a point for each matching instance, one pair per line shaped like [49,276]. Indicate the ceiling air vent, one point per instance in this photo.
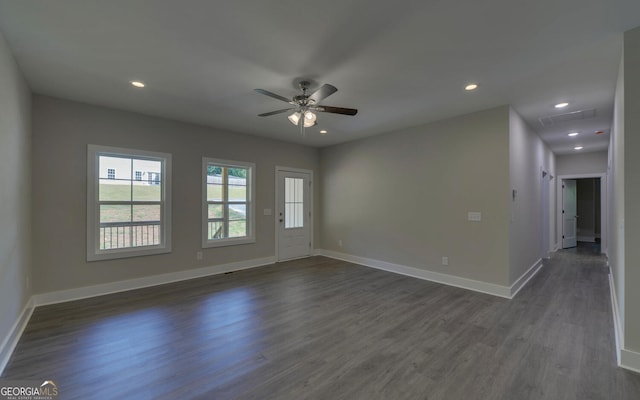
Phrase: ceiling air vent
[558,119]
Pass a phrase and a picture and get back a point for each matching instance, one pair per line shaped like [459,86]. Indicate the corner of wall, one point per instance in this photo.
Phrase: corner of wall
[529,156]
[13,337]
[15,210]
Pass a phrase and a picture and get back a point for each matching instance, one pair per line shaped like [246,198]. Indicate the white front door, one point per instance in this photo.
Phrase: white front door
[293,214]
[569,210]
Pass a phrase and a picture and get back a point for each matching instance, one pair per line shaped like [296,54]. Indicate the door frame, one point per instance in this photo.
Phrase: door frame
[277,207]
[546,201]
[569,203]
[604,242]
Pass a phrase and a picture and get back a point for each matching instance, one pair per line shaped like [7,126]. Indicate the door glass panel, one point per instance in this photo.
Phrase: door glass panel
[294,203]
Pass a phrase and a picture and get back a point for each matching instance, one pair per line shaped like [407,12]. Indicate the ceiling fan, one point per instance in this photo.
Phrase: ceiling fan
[305,105]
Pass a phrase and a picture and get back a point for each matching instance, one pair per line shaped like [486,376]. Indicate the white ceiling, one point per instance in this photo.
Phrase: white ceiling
[402,63]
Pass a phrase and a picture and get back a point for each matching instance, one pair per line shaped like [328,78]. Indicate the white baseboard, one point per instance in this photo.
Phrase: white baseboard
[617,325]
[11,341]
[627,359]
[138,283]
[525,278]
[446,279]
[630,360]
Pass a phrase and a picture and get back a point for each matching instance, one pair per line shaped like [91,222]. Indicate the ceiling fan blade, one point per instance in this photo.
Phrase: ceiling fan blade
[271,94]
[336,110]
[275,112]
[325,91]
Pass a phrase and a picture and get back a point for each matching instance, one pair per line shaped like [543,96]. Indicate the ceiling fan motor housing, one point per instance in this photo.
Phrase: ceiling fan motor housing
[303,100]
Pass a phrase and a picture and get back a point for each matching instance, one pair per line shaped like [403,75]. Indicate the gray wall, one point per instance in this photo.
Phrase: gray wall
[528,158]
[624,192]
[403,197]
[583,163]
[15,154]
[632,187]
[61,132]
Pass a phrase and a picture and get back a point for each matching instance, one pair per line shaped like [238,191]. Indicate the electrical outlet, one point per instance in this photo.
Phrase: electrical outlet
[199,255]
[340,243]
[445,260]
[474,216]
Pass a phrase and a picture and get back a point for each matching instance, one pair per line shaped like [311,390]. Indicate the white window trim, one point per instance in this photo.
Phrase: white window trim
[251,206]
[93,217]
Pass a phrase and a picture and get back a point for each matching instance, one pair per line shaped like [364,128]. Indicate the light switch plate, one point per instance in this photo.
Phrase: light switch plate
[474,216]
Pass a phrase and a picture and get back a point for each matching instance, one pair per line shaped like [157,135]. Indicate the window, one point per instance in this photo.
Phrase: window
[227,206]
[127,216]
[293,203]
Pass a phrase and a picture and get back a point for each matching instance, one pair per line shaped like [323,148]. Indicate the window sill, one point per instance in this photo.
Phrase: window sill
[126,253]
[227,242]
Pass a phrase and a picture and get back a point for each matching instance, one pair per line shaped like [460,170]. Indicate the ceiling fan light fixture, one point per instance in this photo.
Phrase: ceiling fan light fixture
[309,116]
[295,118]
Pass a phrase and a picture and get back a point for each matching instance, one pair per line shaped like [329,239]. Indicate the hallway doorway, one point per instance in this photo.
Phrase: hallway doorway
[581,200]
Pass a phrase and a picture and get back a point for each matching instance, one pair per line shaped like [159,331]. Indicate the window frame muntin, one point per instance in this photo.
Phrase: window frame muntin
[94,253]
[250,203]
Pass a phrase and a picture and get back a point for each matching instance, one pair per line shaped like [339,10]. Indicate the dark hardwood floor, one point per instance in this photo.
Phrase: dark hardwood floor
[318,328]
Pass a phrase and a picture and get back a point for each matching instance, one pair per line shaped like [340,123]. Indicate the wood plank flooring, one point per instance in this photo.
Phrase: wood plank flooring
[318,328]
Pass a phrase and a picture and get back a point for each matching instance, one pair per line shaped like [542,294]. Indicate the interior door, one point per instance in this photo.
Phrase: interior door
[293,214]
[569,217]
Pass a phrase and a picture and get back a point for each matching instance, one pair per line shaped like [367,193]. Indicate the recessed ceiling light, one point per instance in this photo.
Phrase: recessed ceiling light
[561,105]
[471,86]
[323,132]
[574,134]
[578,148]
[137,84]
